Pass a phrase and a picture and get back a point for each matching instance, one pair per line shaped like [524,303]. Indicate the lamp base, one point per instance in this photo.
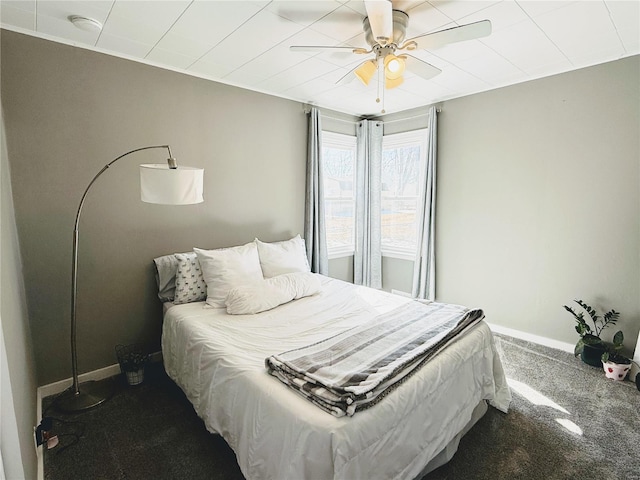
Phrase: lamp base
[90,394]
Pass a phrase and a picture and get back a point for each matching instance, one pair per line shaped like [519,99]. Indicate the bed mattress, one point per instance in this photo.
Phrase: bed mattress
[219,362]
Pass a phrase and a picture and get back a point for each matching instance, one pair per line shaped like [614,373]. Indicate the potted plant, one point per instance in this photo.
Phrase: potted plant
[615,365]
[132,360]
[590,347]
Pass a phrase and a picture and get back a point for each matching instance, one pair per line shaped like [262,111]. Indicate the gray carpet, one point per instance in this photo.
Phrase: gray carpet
[151,432]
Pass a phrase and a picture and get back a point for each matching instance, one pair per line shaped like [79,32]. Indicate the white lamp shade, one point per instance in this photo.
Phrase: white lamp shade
[166,186]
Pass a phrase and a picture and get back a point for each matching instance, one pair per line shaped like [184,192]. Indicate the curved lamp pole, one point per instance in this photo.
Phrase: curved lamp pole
[184,187]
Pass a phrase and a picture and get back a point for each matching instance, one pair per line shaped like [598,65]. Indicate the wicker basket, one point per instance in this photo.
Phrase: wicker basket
[132,360]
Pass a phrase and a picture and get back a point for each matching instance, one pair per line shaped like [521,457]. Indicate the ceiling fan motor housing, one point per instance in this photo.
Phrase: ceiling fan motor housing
[400,22]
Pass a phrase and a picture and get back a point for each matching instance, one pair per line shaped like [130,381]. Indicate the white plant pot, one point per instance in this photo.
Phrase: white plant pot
[616,371]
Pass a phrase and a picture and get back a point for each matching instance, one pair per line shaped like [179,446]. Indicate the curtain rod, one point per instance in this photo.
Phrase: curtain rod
[438,110]
[307,109]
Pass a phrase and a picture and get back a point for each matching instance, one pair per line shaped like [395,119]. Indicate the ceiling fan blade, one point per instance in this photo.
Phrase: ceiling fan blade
[380,14]
[451,35]
[420,67]
[315,48]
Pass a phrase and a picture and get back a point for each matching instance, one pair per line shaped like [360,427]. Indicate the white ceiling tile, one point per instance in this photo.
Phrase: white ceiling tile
[625,14]
[461,9]
[502,15]
[492,68]
[590,24]
[358,7]
[535,8]
[462,51]
[424,88]
[626,18]
[97,10]
[123,45]
[280,57]
[210,69]
[252,39]
[170,58]
[335,26]
[26,5]
[298,74]
[270,63]
[309,89]
[425,18]
[143,22]
[247,80]
[17,17]
[210,22]
[455,79]
[161,13]
[547,69]
[631,40]
[526,46]
[407,5]
[303,13]
[182,46]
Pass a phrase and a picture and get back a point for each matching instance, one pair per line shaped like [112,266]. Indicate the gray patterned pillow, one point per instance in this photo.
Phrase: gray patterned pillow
[190,285]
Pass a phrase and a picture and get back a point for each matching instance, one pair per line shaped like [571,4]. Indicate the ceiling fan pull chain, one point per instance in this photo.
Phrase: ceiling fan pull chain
[380,73]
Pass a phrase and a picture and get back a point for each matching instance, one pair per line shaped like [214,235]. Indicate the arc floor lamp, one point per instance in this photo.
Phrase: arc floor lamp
[159,183]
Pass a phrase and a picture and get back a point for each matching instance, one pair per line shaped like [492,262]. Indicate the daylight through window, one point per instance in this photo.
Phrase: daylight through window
[339,161]
[403,160]
[402,177]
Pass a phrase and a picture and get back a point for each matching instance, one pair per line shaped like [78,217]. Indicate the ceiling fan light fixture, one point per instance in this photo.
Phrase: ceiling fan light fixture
[394,66]
[390,83]
[366,71]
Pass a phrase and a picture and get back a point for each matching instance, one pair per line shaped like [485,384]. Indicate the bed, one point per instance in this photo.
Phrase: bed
[218,360]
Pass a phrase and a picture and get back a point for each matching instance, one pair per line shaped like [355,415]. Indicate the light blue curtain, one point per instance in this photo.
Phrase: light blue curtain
[367,262]
[314,221]
[424,267]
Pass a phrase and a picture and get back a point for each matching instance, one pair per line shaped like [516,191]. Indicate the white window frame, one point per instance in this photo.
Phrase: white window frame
[399,140]
[340,140]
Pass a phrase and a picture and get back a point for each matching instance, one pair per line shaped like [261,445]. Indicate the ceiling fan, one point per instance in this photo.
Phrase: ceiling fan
[385,29]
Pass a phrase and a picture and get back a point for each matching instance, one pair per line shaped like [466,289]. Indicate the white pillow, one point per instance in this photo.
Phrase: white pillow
[226,268]
[190,284]
[271,292]
[278,258]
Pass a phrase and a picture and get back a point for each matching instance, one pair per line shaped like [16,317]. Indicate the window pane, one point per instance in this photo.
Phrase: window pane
[400,187]
[338,162]
[339,216]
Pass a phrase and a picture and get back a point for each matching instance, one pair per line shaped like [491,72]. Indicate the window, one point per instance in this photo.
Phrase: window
[403,160]
[339,166]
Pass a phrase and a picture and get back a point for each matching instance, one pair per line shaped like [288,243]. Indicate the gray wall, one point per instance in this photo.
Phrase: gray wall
[17,366]
[68,112]
[539,200]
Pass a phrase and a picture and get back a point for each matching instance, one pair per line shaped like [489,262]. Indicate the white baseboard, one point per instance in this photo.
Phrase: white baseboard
[100,374]
[400,292]
[529,337]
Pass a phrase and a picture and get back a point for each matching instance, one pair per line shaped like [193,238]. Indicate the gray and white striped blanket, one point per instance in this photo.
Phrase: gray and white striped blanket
[353,370]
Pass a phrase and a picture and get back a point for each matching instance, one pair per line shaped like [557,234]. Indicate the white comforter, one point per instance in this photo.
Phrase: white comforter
[218,361]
